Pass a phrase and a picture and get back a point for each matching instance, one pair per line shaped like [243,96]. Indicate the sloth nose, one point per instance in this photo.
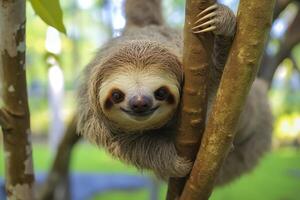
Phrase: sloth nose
[140,104]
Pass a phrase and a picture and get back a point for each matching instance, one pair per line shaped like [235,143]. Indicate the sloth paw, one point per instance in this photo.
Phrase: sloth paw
[217,18]
[182,167]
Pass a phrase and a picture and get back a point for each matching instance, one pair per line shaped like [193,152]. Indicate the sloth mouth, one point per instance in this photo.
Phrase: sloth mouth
[140,114]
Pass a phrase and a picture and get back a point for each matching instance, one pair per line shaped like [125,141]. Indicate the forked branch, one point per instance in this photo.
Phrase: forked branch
[254,21]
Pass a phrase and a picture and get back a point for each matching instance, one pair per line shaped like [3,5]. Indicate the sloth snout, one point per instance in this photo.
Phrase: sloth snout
[140,104]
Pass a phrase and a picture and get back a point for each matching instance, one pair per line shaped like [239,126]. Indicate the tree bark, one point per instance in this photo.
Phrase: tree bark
[253,24]
[14,115]
[57,184]
[196,62]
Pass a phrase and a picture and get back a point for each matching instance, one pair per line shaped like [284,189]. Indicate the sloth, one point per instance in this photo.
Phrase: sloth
[130,94]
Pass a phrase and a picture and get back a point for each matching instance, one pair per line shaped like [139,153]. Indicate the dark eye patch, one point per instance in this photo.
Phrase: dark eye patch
[171,99]
[108,104]
[161,93]
[117,96]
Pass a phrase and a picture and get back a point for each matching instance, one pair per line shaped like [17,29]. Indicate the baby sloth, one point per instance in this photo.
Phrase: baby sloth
[130,94]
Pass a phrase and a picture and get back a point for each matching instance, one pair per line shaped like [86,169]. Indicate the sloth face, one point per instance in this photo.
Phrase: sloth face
[139,100]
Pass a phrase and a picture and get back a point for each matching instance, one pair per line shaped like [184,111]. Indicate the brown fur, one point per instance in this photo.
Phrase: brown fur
[142,13]
[146,44]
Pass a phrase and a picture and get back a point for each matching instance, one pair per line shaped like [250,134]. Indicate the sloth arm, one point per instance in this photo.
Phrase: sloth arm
[151,150]
[225,23]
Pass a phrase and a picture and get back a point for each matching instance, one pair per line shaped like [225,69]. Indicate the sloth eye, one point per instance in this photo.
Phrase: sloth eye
[161,93]
[117,96]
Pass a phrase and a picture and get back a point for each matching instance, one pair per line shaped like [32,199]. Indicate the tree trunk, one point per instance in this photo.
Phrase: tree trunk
[14,115]
[253,24]
[196,62]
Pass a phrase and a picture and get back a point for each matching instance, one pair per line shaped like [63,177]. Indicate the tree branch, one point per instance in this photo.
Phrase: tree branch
[280,6]
[295,65]
[58,177]
[270,63]
[17,144]
[254,21]
[196,62]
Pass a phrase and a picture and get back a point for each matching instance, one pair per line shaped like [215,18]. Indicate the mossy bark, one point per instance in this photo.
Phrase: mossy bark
[196,62]
[253,24]
[14,115]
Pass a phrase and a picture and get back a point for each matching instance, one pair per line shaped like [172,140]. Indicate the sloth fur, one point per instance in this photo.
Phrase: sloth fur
[147,57]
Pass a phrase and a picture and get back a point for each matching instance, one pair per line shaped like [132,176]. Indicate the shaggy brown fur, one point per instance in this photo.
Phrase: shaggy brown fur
[146,41]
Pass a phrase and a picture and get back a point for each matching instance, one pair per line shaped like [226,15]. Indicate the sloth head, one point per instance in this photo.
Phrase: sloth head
[139,87]
[138,100]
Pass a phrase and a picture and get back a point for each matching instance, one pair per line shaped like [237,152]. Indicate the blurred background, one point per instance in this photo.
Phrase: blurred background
[54,63]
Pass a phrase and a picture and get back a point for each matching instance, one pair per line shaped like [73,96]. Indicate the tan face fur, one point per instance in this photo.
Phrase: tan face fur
[139,99]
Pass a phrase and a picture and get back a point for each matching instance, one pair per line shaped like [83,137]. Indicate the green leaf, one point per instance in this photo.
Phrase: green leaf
[50,12]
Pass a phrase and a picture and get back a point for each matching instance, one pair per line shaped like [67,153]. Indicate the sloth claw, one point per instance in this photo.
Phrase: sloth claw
[217,18]
[210,22]
[211,28]
[213,7]
[207,21]
[208,16]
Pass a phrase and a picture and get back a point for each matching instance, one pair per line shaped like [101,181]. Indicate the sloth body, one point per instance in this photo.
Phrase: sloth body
[130,94]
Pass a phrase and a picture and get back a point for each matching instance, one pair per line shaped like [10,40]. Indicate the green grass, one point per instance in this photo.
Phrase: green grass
[276,178]
[273,179]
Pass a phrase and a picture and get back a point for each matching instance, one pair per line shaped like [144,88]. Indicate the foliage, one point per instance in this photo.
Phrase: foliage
[50,12]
